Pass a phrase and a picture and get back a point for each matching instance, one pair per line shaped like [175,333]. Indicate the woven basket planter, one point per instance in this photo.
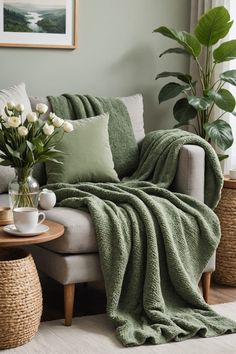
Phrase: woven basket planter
[225,272]
[20,298]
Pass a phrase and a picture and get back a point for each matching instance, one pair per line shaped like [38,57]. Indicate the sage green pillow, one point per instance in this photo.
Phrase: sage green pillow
[86,154]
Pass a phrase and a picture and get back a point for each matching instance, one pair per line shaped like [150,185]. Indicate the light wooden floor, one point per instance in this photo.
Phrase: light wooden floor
[90,299]
[220,294]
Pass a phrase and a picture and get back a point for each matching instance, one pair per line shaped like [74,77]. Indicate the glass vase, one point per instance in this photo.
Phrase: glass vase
[24,189]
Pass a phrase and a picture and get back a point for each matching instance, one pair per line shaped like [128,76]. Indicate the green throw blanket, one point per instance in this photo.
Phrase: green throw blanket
[124,147]
[154,244]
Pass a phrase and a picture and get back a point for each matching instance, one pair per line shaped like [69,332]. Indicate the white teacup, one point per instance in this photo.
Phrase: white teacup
[27,219]
[232,173]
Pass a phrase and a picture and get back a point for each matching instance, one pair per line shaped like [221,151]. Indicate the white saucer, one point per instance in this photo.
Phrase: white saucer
[40,229]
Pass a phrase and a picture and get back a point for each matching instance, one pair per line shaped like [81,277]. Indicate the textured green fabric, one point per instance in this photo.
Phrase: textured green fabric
[124,147]
[86,154]
[165,145]
[154,245]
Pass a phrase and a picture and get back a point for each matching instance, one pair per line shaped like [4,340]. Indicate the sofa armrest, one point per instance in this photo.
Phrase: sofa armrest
[190,176]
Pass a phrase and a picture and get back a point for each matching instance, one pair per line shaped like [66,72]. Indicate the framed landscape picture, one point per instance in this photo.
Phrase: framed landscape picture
[38,23]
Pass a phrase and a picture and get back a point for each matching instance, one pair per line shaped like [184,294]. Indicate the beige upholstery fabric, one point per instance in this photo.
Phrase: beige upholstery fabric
[67,269]
[191,172]
[79,236]
[4,200]
[134,105]
[7,174]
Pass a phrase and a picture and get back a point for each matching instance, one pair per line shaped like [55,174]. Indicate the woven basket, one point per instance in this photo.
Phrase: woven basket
[20,298]
[225,272]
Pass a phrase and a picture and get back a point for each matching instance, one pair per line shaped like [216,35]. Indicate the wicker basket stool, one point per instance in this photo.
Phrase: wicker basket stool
[225,272]
[20,298]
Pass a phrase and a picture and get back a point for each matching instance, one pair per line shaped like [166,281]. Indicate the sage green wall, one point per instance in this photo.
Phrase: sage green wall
[117,55]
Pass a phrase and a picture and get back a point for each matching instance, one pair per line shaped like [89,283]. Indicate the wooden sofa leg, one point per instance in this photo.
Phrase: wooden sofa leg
[206,284]
[69,295]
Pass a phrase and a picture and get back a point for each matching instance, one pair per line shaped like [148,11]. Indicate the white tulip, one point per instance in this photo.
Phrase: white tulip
[41,108]
[48,129]
[6,125]
[11,105]
[20,108]
[52,115]
[68,127]
[32,117]
[13,122]
[57,122]
[22,131]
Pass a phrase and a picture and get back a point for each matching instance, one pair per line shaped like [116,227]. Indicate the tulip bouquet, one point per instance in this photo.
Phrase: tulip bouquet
[24,143]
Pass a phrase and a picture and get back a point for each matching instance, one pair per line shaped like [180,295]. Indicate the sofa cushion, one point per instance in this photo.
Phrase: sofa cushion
[79,236]
[86,154]
[17,94]
[134,105]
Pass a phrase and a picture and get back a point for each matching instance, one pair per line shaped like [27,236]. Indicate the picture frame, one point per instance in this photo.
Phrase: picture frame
[39,23]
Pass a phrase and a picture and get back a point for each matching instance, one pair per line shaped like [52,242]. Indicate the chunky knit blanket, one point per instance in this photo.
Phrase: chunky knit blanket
[154,244]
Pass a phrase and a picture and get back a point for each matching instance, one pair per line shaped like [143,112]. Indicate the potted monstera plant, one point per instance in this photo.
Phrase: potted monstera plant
[198,98]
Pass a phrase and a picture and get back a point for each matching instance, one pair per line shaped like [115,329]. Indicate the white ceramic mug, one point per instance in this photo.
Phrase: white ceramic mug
[232,173]
[27,219]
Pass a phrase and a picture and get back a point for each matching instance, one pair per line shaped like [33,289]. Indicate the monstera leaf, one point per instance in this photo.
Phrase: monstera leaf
[220,133]
[229,76]
[223,99]
[183,77]
[213,26]
[174,51]
[225,52]
[183,111]
[187,40]
[171,90]
[199,103]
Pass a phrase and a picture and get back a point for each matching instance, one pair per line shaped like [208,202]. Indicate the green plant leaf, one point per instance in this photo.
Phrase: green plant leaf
[174,51]
[183,77]
[187,40]
[220,133]
[30,145]
[222,157]
[5,163]
[171,90]
[225,52]
[183,111]
[229,76]
[223,99]
[213,25]
[199,103]
[14,153]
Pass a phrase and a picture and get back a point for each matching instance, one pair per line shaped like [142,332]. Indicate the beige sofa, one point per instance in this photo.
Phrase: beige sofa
[74,258]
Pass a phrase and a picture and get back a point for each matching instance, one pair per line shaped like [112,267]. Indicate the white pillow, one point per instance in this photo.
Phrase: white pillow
[134,105]
[16,94]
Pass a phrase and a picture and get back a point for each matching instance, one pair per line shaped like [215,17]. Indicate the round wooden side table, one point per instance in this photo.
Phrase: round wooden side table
[225,272]
[20,289]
